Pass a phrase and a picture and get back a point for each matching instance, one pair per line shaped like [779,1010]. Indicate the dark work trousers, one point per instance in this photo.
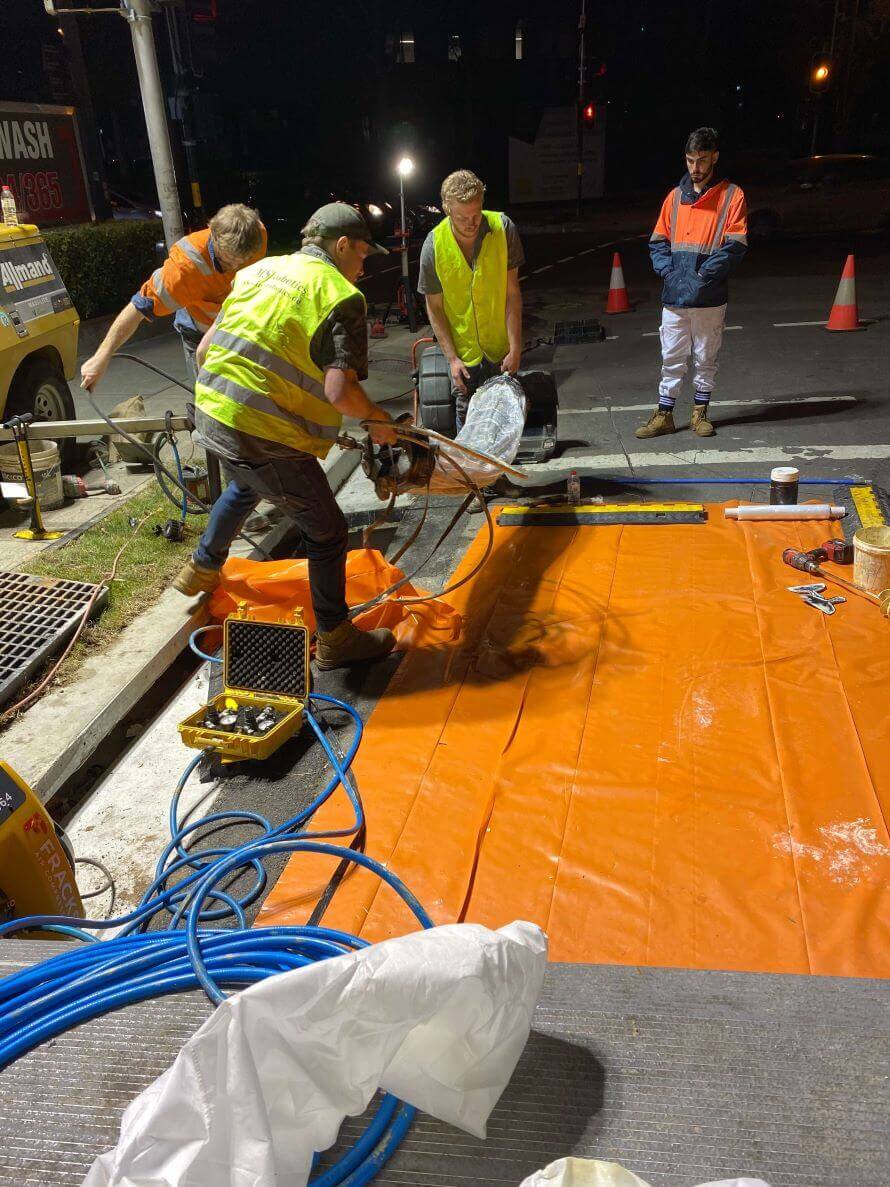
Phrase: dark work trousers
[478,375]
[297,485]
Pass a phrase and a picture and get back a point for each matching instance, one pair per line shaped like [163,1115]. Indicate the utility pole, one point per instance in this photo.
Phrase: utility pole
[579,116]
[138,15]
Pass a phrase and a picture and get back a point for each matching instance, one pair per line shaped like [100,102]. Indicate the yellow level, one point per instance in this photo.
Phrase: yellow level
[599,508]
[867,507]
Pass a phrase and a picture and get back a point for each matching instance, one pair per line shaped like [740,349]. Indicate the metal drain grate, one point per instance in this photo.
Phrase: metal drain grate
[574,333]
[37,617]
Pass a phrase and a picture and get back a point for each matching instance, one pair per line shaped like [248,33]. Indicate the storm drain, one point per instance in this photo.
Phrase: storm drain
[38,615]
[574,333]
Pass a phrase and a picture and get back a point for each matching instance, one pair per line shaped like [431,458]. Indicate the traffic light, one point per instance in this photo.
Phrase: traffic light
[820,73]
[588,115]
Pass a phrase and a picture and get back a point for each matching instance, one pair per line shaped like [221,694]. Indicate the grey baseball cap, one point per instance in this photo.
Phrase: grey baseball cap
[339,218]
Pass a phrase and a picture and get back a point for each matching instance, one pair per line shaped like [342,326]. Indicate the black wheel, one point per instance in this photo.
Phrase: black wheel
[39,387]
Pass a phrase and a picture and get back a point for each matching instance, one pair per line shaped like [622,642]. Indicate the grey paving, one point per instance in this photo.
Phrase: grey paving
[681,1076]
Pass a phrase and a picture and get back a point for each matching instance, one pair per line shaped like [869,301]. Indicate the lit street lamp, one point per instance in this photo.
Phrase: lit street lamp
[405,168]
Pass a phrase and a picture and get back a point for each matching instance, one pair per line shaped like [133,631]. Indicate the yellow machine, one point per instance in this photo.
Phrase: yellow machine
[36,870]
[38,329]
[265,671]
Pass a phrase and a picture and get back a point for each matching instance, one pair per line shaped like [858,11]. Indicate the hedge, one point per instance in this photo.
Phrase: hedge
[103,264]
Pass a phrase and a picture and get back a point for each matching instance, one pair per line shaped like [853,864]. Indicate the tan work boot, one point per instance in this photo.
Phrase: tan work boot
[346,644]
[660,422]
[193,579]
[700,423]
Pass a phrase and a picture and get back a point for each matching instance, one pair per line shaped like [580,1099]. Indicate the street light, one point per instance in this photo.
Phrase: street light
[405,168]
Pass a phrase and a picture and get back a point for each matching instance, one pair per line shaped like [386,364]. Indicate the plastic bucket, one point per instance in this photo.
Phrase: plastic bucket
[47,466]
[871,558]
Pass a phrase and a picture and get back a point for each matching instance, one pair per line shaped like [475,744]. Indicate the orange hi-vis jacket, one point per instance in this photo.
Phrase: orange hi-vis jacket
[190,284]
[697,241]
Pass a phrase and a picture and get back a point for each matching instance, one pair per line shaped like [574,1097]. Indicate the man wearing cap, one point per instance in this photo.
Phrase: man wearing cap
[280,368]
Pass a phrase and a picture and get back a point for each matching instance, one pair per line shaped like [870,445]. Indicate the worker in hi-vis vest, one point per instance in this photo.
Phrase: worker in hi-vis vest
[191,284]
[280,368]
[469,275]
[700,237]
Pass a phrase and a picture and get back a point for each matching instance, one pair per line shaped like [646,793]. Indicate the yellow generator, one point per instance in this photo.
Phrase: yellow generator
[38,329]
[36,868]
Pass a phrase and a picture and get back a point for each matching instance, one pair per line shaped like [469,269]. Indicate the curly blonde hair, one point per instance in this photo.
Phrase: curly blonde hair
[461,186]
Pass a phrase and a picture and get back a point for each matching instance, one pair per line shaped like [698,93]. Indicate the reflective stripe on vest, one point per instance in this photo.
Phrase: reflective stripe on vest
[259,377]
[475,299]
[724,215]
[195,255]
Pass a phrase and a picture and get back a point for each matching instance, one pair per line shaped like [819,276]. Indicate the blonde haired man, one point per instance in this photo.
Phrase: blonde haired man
[192,284]
[469,275]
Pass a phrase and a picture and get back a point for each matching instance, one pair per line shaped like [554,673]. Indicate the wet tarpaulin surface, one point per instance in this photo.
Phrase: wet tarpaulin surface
[683,1077]
[645,744]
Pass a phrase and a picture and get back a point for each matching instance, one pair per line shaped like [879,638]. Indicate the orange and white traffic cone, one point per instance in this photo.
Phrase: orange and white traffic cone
[617,302]
[845,312]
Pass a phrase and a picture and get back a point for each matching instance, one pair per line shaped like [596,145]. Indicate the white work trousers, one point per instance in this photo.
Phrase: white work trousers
[685,331]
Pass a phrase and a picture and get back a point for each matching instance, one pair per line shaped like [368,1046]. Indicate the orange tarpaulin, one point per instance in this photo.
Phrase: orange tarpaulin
[272,588]
[645,744]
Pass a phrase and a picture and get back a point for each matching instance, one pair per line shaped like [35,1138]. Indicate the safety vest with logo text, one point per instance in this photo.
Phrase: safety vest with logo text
[259,376]
[475,298]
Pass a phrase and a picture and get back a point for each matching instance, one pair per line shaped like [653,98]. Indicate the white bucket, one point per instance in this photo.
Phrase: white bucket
[47,466]
[871,558]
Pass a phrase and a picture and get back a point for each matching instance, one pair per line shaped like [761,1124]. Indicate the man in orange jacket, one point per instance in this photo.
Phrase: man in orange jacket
[192,284]
[700,237]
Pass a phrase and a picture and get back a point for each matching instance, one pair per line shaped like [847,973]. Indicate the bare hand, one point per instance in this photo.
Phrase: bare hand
[382,432]
[510,365]
[459,373]
[92,371]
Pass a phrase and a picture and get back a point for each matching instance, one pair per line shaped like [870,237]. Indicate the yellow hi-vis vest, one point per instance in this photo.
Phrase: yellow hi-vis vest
[475,299]
[258,376]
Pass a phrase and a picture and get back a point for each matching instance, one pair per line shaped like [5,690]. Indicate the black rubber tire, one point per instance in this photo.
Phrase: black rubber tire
[40,388]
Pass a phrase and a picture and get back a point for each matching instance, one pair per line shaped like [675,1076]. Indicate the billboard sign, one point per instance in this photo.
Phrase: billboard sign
[546,169]
[41,162]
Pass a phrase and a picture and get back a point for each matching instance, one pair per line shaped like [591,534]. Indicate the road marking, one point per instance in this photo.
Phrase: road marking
[712,457]
[783,324]
[718,404]
[655,333]
[544,269]
[565,260]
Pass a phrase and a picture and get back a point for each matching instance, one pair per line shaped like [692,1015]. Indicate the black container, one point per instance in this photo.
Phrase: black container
[783,481]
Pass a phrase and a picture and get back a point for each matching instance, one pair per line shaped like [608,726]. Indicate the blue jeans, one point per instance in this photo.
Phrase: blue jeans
[299,487]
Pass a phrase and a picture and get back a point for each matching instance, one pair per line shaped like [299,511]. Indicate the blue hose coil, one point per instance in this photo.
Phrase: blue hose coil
[43,1001]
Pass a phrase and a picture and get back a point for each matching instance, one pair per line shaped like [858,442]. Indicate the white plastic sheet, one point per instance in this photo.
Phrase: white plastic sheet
[439,1018]
[494,424]
[587,1172]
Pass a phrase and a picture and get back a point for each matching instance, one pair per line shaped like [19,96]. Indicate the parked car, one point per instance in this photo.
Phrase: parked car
[128,208]
[832,192]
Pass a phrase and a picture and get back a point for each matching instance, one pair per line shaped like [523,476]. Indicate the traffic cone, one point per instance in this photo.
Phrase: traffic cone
[844,312]
[378,329]
[617,302]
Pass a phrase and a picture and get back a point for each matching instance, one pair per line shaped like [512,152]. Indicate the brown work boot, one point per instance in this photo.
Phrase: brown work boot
[700,423]
[660,422]
[346,644]
[193,579]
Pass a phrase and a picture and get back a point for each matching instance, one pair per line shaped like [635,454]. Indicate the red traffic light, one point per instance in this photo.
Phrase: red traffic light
[588,113]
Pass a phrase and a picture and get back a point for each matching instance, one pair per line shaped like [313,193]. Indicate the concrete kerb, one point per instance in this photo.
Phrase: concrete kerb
[57,735]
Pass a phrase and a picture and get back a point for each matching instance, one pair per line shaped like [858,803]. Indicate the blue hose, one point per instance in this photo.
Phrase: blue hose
[44,1000]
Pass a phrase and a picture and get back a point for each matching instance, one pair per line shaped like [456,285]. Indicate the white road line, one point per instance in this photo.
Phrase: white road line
[816,454]
[733,327]
[719,404]
[544,269]
[655,333]
[784,324]
[565,260]
[588,250]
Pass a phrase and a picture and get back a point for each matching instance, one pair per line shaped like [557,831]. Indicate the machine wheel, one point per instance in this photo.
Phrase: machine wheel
[434,392]
[40,388]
